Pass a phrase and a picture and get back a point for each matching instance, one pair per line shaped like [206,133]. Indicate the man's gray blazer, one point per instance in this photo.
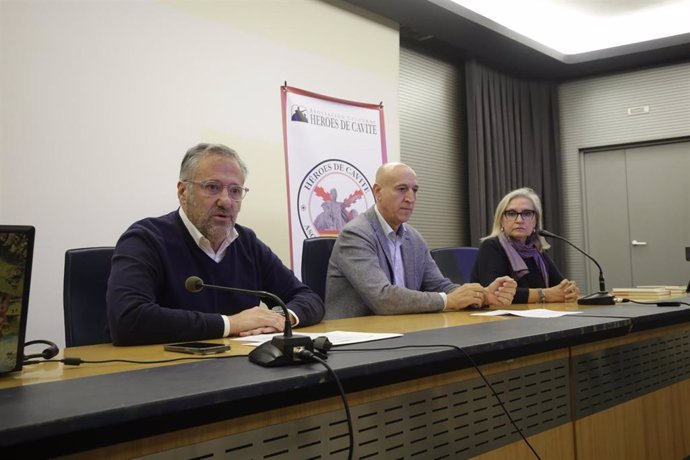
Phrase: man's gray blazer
[360,273]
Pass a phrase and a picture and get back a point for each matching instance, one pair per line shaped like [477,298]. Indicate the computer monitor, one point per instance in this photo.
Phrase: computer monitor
[16,256]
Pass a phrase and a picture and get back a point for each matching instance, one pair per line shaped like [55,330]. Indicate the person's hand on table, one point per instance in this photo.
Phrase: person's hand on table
[501,292]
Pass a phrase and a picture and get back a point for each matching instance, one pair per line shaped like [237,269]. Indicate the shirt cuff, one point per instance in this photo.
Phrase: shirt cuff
[292,314]
[226,326]
[444,296]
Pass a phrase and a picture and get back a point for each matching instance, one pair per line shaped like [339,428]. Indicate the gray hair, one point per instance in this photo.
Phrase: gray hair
[191,159]
[524,192]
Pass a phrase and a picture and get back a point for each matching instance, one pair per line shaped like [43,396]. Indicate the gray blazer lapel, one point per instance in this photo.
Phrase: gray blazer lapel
[383,241]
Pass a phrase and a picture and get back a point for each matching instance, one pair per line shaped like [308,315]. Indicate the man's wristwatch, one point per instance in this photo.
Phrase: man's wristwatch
[280,311]
[542,295]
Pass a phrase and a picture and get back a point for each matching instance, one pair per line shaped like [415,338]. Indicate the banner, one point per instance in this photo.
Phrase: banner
[333,148]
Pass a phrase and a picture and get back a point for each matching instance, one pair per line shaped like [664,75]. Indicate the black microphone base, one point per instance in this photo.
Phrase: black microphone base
[598,298]
[281,351]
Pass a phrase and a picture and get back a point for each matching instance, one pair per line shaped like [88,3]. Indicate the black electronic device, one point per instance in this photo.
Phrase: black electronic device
[16,256]
[197,348]
[603,297]
[281,350]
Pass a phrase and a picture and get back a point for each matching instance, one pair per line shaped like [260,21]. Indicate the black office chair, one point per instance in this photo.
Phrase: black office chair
[315,255]
[456,263]
[85,282]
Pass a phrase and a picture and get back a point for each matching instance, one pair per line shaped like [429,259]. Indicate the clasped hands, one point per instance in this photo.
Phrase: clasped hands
[498,293]
[565,291]
[257,320]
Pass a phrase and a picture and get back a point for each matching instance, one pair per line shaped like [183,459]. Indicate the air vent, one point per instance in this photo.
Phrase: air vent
[640,110]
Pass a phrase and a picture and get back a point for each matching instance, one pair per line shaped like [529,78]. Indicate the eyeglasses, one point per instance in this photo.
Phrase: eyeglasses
[214,188]
[527,214]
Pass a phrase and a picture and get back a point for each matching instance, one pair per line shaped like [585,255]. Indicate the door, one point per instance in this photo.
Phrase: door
[638,215]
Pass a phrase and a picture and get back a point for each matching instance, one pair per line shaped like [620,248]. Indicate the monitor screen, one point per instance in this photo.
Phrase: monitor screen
[16,255]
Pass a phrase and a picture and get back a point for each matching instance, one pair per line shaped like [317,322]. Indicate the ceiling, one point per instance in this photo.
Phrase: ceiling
[455,31]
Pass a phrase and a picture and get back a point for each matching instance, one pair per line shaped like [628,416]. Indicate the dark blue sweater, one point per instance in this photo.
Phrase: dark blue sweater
[147,299]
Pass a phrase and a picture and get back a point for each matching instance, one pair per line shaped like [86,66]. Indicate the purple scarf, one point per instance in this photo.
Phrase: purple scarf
[517,251]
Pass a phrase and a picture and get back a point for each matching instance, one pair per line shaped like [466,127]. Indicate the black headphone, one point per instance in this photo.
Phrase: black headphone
[48,353]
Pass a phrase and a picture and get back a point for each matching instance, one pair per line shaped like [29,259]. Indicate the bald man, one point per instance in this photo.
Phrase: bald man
[381,266]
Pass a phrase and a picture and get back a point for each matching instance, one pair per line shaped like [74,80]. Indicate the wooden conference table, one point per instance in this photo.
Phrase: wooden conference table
[609,382]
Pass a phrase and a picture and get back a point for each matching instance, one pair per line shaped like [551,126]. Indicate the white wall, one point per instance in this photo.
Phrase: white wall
[99,100]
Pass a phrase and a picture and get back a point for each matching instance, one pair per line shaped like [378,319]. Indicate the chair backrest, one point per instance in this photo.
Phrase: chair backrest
[316,252]
[456,263]
[85,283]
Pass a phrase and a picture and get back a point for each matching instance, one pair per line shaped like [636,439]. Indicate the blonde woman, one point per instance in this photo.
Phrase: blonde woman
[516,249]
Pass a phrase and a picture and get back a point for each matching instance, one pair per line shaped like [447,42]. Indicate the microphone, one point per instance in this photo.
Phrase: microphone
[598,298]
[281,349]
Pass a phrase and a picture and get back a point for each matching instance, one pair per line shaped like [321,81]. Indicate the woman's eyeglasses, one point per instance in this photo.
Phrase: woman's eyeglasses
[527,214]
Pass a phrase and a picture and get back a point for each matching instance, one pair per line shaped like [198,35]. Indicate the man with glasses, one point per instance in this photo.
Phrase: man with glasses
[516,249]
[147,298]
[380,265]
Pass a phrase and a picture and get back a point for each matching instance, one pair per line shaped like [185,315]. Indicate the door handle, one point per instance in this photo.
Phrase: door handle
[639,243]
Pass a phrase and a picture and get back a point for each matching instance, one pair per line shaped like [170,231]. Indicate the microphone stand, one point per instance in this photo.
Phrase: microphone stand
[281,350]
[598,298]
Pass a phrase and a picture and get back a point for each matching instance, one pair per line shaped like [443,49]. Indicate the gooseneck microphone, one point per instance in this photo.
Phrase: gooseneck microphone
[598,298]
[196,284]
[281,350]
